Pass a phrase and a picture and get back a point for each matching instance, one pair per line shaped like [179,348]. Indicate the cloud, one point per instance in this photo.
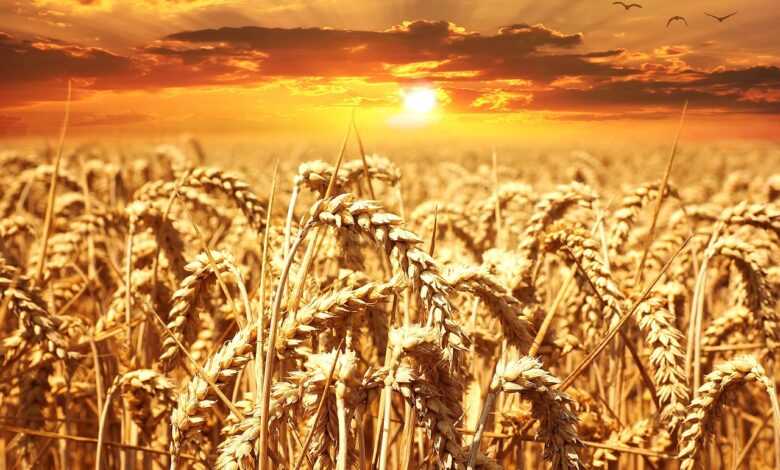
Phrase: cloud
[489,100]
[414,49]
[742,79]
[407,42]
[671,51]
[632,94]
[37,60]
[643,96]
[516,68]
[629,116]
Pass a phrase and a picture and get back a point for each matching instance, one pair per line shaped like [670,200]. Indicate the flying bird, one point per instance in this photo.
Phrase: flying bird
[720,19]
[627,6]
[676,18]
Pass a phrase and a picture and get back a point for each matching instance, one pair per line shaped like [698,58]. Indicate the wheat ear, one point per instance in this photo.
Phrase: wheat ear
[558,425]
[697,427]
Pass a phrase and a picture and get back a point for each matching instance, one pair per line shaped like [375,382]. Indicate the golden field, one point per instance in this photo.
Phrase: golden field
[181,306]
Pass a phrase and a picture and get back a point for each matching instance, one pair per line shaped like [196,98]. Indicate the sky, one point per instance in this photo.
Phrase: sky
[482,68]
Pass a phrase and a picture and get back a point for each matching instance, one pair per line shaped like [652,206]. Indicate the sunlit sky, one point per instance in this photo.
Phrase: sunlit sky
[484,67]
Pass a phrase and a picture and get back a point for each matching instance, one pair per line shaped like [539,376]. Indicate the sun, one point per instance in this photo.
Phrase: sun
[420,100]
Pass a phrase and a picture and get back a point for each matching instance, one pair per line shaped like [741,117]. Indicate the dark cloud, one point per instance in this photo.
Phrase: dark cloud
[743,79]
[635,98]
[408,42]
[515,51]
[519,67]
[539,67]
[630,94]
[43,59]
[38,69]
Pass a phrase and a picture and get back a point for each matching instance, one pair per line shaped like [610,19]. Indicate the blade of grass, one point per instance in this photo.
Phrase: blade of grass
[53,190]
[363,157]
[649,239]
[499,225]
[86,440]
[259,359]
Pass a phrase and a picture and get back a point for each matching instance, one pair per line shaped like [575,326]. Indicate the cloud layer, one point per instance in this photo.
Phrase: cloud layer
[518,67]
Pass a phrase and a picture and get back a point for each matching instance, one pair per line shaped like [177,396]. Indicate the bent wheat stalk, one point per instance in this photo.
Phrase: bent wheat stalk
[697,427]
[551,407]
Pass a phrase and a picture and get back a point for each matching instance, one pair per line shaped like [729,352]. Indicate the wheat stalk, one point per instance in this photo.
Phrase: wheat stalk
[384,229]
[514,316]
[551,207]
[180,317]
[557,424]
[697,426]
[36,324]
[629,210]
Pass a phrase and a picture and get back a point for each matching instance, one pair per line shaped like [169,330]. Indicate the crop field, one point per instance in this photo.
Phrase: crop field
[165,309]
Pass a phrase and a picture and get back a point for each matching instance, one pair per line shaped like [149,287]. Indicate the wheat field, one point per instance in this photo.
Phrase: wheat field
[164,309]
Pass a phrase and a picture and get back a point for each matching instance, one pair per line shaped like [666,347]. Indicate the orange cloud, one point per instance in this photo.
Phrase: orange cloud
[519,67]
[416,49]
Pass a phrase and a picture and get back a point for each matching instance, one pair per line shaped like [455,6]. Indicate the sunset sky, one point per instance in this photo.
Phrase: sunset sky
[493,67]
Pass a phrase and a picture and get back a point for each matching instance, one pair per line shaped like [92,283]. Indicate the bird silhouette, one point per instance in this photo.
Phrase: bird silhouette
[627,6]
[720,19]
[676,18]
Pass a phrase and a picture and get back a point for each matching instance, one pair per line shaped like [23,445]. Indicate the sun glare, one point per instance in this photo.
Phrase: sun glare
[420,100]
